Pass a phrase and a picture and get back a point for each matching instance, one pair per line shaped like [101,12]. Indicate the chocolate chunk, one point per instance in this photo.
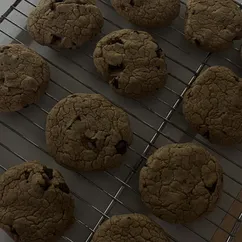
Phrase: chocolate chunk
[13,231]
[26,174]
[46,185]
[212,188]
[52,7]
[4,48]
[159,52]
[206,135]
[117,68]
[56,39]
[115,82]
[64,188]
[91,143]
[48,172]
[121,147]
[197,42]
[236,78]
[114,41]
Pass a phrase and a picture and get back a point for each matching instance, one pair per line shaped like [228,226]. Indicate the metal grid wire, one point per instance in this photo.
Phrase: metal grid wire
[158,120]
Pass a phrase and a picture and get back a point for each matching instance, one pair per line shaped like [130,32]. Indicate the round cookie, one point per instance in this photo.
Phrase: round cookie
[35,204]
[213,24]
[152,13]
[66,23]
[132,62]
[24,76]
[213,105]
[129,227]
[181,182]
[85,132]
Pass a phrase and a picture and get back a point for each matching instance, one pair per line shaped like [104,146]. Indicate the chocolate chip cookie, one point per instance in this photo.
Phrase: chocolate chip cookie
[181,182]
[24,76]
[130,227]
[152,13]
[213,24]
[35,203]
[85,132]
[213,105]
[132,62]
[66,23]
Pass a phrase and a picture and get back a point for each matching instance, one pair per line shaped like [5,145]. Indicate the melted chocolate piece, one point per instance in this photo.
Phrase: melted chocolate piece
[48,172]
[64,188]
[121,147]
[212,188]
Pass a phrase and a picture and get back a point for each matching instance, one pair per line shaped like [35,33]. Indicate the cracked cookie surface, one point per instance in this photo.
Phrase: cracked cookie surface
[24,76]
[213,24]
[152,13]
[213,105]
[181,182]
[35,204]
[130,227]
[131,62]
[66,23]
[86,132]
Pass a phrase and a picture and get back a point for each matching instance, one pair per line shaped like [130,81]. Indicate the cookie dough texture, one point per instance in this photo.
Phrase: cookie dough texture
[24,76]
[35,204]
[213,106]
[66,23]
[181,182]
[152,13]
[130,227]
[132,62]
[213,24]
[86,132]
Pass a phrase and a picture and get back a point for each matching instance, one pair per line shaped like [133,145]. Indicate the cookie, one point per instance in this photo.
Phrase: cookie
[130,227]
[213,24]
[152,13]
[35,203]
[181,182]
[213,106]
[24,76]
[85,132]
[132,62]
[65,24]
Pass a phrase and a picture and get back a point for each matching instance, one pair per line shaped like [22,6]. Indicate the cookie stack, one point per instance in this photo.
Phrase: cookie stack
[86,132]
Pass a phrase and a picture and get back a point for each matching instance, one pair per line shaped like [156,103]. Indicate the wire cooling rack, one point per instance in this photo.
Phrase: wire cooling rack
[156,121]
